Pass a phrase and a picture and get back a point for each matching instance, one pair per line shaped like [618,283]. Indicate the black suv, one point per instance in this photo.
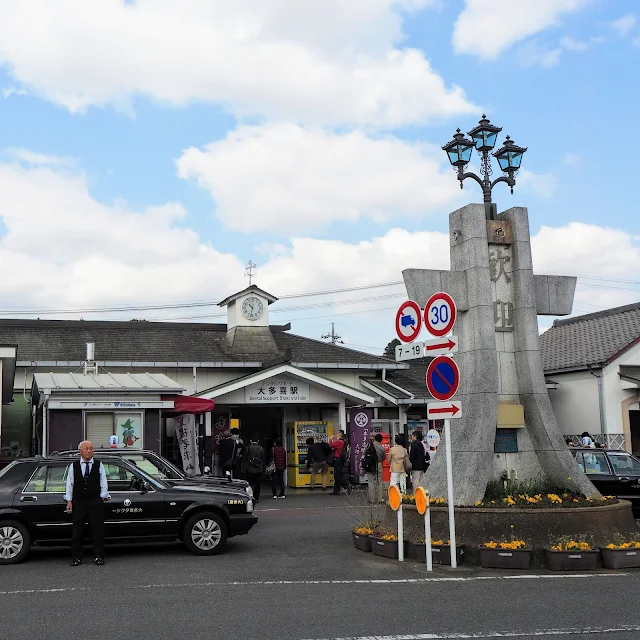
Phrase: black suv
[141,509]
[613,473]
[158,467]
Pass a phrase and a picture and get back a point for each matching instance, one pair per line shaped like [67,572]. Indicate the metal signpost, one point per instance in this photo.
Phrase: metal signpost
[443,380]
[408,321]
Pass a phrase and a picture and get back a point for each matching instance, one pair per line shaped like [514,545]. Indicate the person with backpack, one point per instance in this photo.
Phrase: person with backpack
[254,464]
[419,458]
[372,466]
[341,459]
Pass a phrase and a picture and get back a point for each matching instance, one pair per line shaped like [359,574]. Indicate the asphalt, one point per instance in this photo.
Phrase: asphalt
[296,575]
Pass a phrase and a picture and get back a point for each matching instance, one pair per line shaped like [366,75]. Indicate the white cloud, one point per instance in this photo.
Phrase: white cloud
[571,159]
[543,185]
[624,25]
[326,62]
[289,178]
[486,28]
[7,92]
[636,41]
[571,44]
[40,159]
[533,53]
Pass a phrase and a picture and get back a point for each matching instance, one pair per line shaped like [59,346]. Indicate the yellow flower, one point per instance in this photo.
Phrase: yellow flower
[478,503]
[365,531]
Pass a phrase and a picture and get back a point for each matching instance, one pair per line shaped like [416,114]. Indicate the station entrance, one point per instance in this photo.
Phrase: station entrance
[260,423]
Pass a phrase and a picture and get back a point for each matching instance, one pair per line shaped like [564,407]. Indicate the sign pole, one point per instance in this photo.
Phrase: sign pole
[400,534]
[427,535]
[452,520]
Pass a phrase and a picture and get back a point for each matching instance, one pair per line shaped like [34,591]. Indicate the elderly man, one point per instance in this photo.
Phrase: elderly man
[87,489]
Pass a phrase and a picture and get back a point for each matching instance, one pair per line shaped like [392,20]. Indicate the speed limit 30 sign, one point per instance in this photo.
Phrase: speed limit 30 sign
[440,314]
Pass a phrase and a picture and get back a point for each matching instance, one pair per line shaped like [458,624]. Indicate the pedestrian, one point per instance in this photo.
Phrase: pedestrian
[340,461]
[87,489]
[587,441]
[419,458]
[569,441]
[254,465]
[239,454]
[372,466]
[279,460]
[399,464]
[317,454]
[231,454]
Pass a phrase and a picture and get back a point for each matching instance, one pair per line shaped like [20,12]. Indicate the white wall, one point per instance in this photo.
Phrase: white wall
[575,403]
[615,391]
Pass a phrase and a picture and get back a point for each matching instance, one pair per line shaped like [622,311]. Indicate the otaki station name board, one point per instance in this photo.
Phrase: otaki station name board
[277,391]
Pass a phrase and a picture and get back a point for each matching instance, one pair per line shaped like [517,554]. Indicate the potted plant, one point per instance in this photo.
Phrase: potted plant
[571,553]
[440,551]
[361,539]
[621,553]
[505,554]
[384,544]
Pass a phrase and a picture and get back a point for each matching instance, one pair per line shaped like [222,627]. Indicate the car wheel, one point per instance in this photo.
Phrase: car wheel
[15,541]
[205,534]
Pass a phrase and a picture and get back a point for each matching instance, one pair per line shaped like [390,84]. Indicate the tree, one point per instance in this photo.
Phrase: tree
[390,349]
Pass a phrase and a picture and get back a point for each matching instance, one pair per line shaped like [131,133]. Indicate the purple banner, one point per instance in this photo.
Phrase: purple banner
[359,433]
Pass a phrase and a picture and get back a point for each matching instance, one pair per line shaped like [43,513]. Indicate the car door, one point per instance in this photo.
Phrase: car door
[626,471]
[595,465]
[131,512]
[42,502]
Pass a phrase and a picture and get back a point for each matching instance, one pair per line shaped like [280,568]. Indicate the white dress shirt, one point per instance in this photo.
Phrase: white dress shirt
[104,487]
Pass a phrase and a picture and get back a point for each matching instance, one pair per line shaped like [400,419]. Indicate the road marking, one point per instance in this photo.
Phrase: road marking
[380,581]
[584,631]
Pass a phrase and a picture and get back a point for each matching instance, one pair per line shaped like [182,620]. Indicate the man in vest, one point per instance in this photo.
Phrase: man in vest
[87,489]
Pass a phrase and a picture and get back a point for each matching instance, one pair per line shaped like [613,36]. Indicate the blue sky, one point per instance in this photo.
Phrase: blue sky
[150,151]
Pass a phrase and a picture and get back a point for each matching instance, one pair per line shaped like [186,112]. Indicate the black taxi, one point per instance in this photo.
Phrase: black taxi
[612,472]
[142,508]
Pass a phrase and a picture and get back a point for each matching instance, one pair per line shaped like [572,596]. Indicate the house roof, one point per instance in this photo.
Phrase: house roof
[149,344]
[139,382]
[412,383]
[252,288]
[591,340]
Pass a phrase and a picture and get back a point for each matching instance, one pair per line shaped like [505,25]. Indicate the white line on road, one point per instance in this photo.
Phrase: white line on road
[501,634]
[381,581]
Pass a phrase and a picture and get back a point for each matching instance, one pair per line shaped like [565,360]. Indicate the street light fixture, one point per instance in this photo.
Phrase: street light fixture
[483,138]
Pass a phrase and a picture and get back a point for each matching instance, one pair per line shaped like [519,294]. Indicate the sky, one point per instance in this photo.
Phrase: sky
[149,149]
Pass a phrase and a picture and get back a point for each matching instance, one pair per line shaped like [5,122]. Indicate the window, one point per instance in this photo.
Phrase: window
[99,427]
[118,478]
[624,465]
[48,479]
[152,467]
[593,463]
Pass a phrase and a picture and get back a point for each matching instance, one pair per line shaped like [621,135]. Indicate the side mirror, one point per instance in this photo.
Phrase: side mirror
[145,487]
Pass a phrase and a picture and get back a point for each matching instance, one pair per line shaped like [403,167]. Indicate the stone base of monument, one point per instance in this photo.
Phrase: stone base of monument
[475,526]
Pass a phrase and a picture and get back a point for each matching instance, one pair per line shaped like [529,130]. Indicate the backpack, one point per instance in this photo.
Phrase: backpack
[370,459]
[255,458]
[344,454]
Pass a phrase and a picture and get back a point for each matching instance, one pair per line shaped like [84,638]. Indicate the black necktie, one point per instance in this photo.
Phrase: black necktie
[87,469]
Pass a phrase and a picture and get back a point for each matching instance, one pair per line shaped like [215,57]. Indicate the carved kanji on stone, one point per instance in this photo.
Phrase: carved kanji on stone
[498,299]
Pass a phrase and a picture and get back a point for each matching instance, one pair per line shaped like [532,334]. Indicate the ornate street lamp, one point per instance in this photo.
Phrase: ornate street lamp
[483,138]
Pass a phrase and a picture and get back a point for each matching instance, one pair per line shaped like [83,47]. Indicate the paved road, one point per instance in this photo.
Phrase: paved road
[296,576]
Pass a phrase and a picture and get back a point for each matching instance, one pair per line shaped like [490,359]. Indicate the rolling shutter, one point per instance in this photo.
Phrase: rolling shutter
[99,427]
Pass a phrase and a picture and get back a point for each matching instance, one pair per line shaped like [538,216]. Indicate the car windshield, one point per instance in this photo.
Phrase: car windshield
[156,468]
[624,465]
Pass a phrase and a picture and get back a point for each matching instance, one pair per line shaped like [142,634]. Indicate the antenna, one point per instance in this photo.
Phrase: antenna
[333,336]
[250,271]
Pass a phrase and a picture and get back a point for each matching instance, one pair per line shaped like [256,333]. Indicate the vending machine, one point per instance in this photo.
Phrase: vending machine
[297,434]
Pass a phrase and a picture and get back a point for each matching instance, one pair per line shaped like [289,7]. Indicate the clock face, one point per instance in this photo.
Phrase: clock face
[252,308]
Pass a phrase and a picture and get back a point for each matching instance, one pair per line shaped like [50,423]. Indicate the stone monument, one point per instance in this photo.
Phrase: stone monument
[502,389]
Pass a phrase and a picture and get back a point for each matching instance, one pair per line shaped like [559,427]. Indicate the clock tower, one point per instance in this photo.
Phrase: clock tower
[248,319]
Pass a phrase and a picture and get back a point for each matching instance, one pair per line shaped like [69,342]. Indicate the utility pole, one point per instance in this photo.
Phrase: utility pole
[333,336]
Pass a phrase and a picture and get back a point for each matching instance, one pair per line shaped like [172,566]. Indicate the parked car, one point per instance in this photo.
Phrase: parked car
[158,467]
[614,473]
[142,508]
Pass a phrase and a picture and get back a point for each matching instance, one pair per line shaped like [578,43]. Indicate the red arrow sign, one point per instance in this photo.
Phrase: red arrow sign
[452,409]
[449,344]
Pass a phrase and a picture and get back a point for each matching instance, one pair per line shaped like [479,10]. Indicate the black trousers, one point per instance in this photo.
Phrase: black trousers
[254,480]
[340,475]
[93,511]
[277,482]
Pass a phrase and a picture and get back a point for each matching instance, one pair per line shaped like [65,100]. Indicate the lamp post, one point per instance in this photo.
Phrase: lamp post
[483,138]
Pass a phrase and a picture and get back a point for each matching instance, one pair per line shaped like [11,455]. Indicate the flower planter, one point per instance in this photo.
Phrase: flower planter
[440,554]
[384,548]
[505,558]
[621,558]
[571,560]
[361,541]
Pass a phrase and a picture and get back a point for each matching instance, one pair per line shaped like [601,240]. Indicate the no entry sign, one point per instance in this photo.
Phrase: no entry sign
[439,314]
[408,321]
[443,378]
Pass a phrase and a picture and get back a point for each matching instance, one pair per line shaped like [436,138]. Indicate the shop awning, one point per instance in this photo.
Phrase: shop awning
[187,404]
